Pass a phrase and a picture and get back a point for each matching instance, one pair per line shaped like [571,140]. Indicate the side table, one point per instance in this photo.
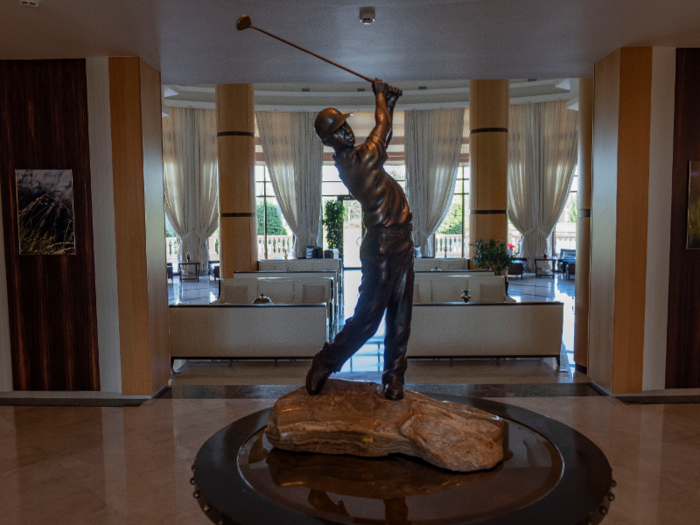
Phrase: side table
[545,272]
[191,273]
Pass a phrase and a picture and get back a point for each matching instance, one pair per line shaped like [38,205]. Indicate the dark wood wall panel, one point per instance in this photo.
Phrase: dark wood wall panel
[683,352]
[53,322]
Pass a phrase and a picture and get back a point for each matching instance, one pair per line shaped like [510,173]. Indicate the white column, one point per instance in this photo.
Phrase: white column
[103,224]
[663,83]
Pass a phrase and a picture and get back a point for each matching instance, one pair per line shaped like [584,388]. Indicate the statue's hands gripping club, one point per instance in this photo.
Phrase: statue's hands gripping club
[393,96]
[391,93]
[379,86]
[386,100]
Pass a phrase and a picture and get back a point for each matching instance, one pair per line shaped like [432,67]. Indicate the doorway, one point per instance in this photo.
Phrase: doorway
[353,231]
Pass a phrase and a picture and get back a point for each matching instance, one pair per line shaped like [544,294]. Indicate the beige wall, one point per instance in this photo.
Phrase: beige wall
[619,217]
[138,203]
[603,218]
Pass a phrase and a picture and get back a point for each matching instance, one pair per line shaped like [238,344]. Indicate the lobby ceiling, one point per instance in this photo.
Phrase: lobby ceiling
[195,41]
[357,96]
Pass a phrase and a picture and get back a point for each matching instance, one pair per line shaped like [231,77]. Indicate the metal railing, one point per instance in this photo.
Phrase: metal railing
[450,245]
[172,245]
[278,244]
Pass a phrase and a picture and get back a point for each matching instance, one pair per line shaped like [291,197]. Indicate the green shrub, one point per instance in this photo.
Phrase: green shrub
[274,220]
[333,221]
[492,255]
[452,225]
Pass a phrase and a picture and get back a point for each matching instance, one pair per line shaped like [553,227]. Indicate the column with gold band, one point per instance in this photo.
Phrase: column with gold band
[488,159]
[235,121]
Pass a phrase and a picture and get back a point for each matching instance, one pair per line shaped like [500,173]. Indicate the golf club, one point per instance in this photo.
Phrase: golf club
[244,23]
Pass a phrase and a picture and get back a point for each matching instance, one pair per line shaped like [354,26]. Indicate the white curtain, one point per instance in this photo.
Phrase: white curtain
[433,141]
[294,157]
[542,156]
[191,180]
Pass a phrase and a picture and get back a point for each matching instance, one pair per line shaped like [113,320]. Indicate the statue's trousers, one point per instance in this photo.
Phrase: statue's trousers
[387,285]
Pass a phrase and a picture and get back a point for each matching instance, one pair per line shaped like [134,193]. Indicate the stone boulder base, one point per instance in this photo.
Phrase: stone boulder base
[355,418]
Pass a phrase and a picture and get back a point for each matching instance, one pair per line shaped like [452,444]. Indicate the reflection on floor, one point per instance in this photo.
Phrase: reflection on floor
[203,291]
[131,466]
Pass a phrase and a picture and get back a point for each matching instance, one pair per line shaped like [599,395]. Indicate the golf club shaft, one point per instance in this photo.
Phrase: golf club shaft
[312,53]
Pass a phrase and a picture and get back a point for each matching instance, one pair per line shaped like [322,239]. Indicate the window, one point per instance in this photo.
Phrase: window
[452,236]
[565,230]
[275,237]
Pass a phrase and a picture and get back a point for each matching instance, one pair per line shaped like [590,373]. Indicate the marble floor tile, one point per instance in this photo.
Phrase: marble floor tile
[655,477]
[368,367]
[137,472]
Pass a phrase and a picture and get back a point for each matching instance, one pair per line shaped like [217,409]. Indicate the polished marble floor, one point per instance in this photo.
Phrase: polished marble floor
[120,466]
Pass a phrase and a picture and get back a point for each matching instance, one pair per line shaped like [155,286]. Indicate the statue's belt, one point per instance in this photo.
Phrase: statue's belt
[393,230]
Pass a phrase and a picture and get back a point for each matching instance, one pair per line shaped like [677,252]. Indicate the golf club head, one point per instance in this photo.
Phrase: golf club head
[243,23]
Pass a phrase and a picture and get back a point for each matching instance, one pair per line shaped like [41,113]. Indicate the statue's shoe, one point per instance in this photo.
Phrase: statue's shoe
[316,377]
[393,388]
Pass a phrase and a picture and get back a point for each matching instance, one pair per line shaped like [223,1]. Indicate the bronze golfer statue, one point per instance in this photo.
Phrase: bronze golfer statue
[386,252]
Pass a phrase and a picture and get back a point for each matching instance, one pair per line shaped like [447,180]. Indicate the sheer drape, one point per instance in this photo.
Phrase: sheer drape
[433,140]
[294,157]
[191,179]
[542,155]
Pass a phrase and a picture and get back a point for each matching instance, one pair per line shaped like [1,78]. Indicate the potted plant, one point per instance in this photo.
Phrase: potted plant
[492,255]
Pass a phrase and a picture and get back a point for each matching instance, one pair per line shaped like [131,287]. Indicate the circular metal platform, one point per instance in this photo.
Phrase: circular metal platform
[551,474]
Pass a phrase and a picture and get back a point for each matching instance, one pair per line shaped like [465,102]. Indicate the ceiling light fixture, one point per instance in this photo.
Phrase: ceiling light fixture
[367,15]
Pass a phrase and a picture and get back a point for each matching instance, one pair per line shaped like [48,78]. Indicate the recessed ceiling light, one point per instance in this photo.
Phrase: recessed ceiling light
[367,15]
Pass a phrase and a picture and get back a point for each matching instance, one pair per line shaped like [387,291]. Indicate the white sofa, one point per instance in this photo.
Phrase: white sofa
[423,264]
[282,274]
[299,265]
[486,330]
[290,288]
[306,265]
[232,331]
[441,287]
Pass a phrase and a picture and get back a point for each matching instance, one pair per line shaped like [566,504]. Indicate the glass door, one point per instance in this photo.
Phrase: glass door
[353,231]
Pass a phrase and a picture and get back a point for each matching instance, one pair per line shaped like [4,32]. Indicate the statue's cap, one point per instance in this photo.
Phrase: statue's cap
[329,120]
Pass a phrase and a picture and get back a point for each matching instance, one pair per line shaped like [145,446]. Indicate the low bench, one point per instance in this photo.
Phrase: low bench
[234,331]
[486,330]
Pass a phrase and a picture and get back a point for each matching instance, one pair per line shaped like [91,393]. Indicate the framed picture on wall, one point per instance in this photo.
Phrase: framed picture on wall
[693,205]
[45,212]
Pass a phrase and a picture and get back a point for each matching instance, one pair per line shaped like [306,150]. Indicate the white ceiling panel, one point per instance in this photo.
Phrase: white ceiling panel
[195,41]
